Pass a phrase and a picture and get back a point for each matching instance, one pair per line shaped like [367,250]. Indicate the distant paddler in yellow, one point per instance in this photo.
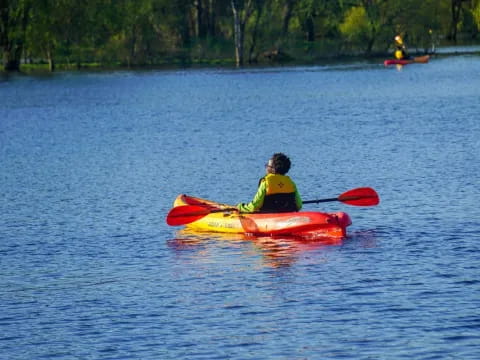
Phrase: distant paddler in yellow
[400,49]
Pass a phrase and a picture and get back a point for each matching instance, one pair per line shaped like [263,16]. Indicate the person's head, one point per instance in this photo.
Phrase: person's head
[278,164]
[398,40]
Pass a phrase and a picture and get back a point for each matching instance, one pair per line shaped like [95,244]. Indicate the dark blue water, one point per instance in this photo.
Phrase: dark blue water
[90,164]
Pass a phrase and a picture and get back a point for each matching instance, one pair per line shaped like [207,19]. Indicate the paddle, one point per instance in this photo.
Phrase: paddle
[364,196]
[185,214]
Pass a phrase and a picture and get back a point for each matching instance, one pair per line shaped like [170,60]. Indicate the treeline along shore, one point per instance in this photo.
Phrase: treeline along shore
[73,34]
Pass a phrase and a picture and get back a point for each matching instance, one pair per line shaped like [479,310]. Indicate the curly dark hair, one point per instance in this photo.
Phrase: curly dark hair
[281,163]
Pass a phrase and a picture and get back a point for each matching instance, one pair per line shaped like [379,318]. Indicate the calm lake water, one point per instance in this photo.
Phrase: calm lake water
[90,163]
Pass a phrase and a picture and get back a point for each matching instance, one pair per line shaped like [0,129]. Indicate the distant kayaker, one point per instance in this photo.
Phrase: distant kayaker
[276,191]
[400,49]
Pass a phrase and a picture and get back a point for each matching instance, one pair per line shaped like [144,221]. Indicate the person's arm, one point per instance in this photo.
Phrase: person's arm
[298,199]
[257,201]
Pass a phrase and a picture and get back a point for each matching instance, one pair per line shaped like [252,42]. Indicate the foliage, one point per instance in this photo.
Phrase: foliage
[476,13]
[356,27]
[149,32]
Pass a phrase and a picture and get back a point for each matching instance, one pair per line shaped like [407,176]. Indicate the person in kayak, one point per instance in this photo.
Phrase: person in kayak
[400,49]
[276,191]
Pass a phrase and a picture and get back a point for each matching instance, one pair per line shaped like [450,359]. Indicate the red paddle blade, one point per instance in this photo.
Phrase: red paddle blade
[360,197]
[186,214]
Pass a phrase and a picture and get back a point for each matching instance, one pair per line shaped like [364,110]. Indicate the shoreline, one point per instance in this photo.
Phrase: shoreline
[43,68]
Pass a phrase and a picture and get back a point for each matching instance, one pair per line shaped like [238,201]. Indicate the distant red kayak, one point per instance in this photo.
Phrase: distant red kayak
[419,59]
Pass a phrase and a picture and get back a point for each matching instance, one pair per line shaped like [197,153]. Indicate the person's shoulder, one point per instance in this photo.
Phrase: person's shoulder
[291,180]
[262,180]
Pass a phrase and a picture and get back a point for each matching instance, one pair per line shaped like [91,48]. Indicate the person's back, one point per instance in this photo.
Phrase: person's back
[279,194]
[276,191]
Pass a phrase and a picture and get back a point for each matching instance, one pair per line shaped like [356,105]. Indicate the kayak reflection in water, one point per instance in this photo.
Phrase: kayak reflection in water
[278,252]
[400,49]
[276,191]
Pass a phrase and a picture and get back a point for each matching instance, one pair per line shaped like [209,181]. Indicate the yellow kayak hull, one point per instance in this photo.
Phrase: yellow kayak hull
[302,223]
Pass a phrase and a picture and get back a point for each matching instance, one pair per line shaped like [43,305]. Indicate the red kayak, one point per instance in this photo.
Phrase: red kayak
[216,217]
[416,60]
[206,215]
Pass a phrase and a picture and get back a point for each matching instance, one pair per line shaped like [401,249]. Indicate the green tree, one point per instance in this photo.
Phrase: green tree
[363,23]
[14,18]
[356,26]
[242,10]
[476,12]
